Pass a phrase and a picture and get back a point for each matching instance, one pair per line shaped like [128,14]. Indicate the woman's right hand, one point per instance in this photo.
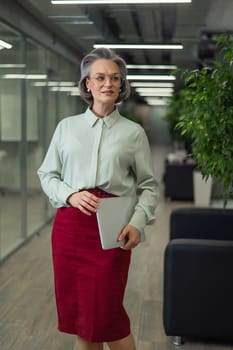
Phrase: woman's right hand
[85,201]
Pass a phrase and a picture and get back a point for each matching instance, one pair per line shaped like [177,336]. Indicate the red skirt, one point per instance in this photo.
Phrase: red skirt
[89,281]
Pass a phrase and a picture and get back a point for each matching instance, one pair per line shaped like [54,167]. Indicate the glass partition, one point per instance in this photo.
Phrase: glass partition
[36,117]
[37,89]
[11,212]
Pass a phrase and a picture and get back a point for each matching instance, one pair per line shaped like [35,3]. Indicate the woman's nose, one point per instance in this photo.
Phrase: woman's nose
[108,81]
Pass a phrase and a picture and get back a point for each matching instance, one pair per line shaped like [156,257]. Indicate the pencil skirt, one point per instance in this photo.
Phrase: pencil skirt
[89,281]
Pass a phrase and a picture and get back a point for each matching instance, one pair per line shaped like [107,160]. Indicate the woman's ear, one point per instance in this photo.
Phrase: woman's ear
[87,84]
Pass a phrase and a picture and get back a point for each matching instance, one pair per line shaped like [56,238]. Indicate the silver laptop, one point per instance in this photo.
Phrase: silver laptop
[114,213]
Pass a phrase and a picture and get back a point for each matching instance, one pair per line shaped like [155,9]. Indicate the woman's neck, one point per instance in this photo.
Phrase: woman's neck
[102,111]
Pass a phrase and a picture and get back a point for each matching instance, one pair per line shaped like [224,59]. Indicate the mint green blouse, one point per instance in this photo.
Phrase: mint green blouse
[110,153]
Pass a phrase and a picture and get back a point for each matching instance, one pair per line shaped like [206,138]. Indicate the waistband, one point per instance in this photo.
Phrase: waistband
[98,192]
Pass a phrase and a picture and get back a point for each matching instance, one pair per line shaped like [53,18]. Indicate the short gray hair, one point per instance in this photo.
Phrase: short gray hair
[102,53]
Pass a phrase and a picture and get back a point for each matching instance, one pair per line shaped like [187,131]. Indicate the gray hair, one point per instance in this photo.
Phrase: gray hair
[102,53]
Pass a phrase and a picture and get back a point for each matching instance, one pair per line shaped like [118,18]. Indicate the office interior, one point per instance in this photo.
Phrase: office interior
[30,109]
[38,87]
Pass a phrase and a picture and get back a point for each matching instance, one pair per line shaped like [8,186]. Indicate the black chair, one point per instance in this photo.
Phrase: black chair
[198,275]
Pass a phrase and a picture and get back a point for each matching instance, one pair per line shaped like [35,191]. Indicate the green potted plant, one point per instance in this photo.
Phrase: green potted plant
[207,116]
[172,117]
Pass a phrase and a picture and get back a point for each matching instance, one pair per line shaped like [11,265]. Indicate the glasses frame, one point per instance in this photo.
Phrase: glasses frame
[115,79]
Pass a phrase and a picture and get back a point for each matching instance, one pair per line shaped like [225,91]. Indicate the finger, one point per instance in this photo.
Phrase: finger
[89,205]
[88,201]
[132,241]
[127,246]
[121,236]
[91,196]
[83,210]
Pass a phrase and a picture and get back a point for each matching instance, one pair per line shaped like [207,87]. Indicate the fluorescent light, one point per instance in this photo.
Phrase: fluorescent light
[54,83]
[25,76]
[12,65]
[157,101]
[151,66]
[5,45]
[73,17]
[141,46]
[151,84]
[75,93]
[158,90]
[151,77]
[67,83]
[45,83]
[95,2]
[73,89]
[167,94]
[75,22]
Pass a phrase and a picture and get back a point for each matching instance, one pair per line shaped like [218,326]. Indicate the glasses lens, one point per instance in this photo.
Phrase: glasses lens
[114,79]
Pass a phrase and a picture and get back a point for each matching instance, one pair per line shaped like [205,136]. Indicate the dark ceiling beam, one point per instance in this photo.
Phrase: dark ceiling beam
[28,20]
[168,27]
[138,30]
[108,27]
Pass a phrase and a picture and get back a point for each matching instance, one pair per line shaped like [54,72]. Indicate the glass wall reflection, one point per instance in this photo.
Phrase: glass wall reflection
[10,141]
[36,110]
[37,89]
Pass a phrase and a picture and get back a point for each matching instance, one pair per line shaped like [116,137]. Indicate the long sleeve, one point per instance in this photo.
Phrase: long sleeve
[50,174]
[146,184]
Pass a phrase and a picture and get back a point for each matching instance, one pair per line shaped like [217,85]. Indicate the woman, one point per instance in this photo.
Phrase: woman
[94,155]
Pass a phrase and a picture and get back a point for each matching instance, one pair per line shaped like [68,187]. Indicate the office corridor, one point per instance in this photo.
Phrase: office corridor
[27,308]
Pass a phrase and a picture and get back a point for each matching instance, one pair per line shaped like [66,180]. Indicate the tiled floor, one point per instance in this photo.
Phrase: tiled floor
[27,308]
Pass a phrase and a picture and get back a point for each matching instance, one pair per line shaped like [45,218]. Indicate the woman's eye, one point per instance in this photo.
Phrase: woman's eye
[115,79]
[100,78]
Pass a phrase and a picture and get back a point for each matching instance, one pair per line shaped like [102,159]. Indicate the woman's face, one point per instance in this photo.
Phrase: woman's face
[104,81]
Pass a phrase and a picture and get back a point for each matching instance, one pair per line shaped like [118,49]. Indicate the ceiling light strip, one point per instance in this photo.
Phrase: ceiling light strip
[25,76]
[12,65]
[55,83]
[74,22]
[68,17]
[149,90]
[157,102]
[151,84]
[65,89]
[150,66]
[154,99]
[141,46]
[158,94]
[5,44]
[151,77]
[117,2]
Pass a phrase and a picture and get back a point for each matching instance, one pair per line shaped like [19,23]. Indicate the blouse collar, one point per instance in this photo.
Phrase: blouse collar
[92,119]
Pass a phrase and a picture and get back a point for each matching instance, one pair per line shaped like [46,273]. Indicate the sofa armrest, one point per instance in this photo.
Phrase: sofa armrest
[198,289]
[201,223]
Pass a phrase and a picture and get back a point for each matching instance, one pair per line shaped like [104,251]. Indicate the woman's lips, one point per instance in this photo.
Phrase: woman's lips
[108,92]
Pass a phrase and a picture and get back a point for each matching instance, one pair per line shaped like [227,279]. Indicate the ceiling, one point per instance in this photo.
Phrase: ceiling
[192,24]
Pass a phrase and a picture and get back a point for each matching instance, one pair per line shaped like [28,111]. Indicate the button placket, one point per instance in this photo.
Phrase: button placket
[96,146]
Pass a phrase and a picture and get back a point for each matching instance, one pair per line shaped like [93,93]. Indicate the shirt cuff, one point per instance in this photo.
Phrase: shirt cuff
[138,220]
[62,195]
[66,195]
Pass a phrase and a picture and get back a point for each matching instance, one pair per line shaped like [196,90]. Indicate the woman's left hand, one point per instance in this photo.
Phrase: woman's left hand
[132,236]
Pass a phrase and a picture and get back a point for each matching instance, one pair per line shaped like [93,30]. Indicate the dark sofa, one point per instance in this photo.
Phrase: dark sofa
[198,275]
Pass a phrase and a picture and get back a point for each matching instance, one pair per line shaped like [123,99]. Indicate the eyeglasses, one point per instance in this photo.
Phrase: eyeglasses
[114,79]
